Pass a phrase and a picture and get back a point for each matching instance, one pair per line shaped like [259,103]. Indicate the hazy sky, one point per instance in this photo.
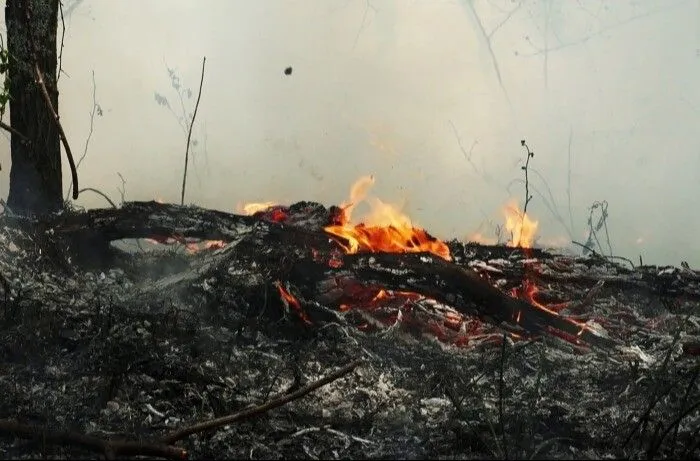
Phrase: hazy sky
[608,88]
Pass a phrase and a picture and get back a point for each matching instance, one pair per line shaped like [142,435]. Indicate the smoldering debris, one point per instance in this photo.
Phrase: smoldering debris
[121,351]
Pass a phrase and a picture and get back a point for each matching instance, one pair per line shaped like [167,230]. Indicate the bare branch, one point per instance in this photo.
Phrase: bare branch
[92,189]
[8,128]
[122,189]
[489,46]
[95,107]
[189,133]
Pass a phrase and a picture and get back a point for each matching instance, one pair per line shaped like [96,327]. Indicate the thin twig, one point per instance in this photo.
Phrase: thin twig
[601,256]
[63,36]
[528,196]
[551,203]
[110,448]
[254,411]
[92,189]
[47,99]
[9,129]
[95,106]
[122,190]
[467,155]
[189,134]
[530,154]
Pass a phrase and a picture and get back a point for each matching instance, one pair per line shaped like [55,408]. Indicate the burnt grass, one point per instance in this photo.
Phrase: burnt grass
[138,350]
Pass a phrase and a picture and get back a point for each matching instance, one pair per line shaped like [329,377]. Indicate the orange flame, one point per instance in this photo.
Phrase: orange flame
[252,208]
[520,226]
[385,228]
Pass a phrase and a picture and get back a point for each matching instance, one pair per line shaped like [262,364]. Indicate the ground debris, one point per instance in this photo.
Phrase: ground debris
[159,340]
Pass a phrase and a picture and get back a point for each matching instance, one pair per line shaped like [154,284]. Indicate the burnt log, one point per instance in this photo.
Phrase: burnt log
[289,245]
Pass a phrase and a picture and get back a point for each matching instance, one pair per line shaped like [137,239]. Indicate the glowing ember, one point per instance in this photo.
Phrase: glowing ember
[385,228]
[194,247]
[290,301]
[190,246]
[520,226]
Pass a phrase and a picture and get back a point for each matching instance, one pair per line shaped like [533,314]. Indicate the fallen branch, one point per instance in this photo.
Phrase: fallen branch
[254,411]
[110,448]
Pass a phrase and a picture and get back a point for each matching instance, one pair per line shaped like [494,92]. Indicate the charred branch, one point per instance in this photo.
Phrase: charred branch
[109,448]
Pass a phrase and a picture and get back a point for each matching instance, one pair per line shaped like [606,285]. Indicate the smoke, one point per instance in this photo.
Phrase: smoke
[431,97]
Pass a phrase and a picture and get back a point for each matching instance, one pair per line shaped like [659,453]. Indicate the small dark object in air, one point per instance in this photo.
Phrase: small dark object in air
[288,71]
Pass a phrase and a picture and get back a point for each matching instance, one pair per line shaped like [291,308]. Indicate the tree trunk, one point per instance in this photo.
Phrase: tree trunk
[35,177]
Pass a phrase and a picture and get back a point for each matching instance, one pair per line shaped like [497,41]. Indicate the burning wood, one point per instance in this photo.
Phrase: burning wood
[312,259]
[281,287]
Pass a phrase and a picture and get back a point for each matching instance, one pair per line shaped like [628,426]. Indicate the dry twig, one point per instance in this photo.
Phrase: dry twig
[254,411]
[98,192]
[189,134]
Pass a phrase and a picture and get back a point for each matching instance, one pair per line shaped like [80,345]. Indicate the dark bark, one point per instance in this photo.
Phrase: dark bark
[35,177]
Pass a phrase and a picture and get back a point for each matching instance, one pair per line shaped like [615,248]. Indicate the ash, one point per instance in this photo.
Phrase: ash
[162,340]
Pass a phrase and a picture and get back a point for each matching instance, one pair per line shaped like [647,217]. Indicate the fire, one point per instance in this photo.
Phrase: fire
[252,208]
[520,226]
[385,228]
